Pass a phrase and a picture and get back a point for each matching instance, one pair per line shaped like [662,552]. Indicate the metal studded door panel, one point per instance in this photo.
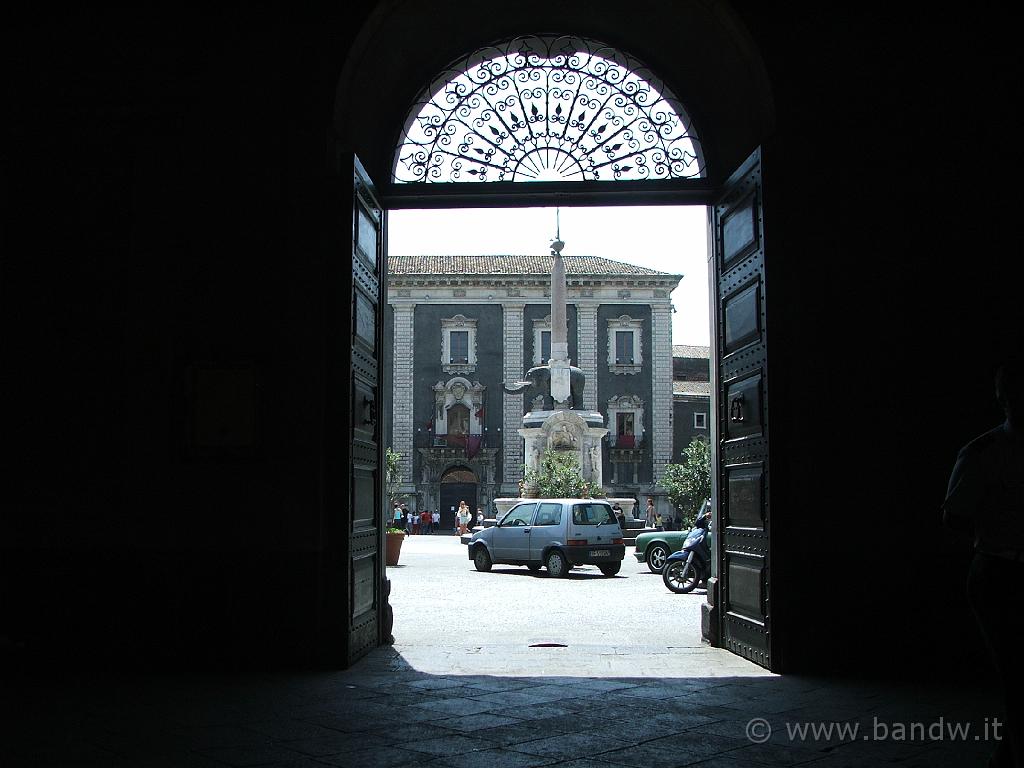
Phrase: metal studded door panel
[743,519]
[352,568]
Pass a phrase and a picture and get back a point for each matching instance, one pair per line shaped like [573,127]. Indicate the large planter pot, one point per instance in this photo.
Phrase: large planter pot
[393,547]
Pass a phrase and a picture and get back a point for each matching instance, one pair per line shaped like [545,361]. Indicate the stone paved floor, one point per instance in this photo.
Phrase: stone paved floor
[387,712]
[464,687]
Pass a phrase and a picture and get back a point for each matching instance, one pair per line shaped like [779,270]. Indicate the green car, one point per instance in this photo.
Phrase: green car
[654,547]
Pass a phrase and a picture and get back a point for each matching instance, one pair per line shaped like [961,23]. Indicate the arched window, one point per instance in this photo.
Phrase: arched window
[547,108]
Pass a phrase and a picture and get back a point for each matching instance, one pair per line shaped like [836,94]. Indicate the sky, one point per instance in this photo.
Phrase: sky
[666,238]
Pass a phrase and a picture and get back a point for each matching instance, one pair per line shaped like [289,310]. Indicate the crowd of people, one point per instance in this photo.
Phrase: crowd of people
[429,521]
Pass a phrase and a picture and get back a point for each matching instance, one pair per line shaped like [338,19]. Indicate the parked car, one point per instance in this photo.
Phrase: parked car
[654,547]
[555,533]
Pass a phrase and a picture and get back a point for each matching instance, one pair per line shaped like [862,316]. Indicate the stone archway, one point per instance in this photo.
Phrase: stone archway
[725,141]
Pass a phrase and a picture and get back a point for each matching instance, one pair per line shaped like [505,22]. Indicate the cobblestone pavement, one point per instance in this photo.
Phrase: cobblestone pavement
[463,687]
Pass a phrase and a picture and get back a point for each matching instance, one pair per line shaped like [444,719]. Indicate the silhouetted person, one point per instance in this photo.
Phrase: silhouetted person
[986,497]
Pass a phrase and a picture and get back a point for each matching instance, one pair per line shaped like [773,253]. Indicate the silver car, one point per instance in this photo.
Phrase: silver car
[555,533]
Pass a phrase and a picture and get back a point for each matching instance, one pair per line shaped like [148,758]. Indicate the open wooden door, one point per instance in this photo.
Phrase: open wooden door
[352,568]
[742,521]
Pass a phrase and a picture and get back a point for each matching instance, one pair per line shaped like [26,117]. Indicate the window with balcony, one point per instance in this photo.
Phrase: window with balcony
[625,422]
[625,437]
[624,345]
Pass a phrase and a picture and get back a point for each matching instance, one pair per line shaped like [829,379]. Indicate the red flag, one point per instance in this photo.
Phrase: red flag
[472,446]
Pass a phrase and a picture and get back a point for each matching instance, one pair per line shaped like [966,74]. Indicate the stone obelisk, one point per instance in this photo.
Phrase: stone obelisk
[567,426]
[559,362]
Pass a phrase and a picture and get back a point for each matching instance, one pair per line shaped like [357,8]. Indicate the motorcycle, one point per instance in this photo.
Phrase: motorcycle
[692,564]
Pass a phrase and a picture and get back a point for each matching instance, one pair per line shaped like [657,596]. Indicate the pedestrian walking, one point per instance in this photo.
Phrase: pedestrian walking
[425,521]
[650,518]
[435,520]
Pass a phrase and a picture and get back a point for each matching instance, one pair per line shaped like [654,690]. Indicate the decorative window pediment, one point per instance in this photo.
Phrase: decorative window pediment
[625,352]
[547,108]
[458,407]
[458,344]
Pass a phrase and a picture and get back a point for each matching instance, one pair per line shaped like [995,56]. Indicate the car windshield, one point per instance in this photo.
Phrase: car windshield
[519,515]
[593,514]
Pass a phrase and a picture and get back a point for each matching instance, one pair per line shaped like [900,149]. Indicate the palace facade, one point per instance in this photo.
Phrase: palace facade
[462,325]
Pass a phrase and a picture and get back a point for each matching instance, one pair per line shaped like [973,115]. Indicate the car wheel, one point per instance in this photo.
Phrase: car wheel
[481,559]
[656,556]
[610,569]
[556,564]
[680,576]
[533,566]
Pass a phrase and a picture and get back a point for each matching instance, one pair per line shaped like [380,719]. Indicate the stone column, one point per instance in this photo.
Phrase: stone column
[661,388]
[512,416]
[402,428]
[587,346]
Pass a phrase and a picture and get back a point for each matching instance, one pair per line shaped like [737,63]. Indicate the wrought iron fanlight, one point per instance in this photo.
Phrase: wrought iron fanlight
[547,108]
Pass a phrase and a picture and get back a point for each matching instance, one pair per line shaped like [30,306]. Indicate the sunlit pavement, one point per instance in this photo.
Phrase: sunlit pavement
[450,617]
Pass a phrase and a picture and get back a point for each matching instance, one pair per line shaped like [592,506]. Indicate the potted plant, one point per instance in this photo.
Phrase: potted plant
[392,478]
[393,545]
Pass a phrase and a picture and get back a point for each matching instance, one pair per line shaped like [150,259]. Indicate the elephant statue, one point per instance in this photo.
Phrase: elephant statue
[538,382]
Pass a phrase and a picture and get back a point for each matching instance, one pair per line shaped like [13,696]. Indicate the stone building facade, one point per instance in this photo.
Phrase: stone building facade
[464,324]
[691,397]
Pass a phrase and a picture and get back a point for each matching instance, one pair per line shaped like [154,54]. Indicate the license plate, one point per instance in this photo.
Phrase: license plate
[600,553]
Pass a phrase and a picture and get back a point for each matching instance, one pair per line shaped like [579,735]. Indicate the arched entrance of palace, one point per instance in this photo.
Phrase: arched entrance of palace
[457,484]
[721,170]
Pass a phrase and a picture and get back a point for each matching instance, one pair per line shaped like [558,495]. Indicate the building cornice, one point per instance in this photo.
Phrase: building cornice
[527,289]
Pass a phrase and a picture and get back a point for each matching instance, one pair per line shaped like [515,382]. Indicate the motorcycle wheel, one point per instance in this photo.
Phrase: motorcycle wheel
[680,576]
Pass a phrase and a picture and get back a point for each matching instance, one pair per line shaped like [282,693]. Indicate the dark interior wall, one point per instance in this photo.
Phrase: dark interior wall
[168,205]
[166,199]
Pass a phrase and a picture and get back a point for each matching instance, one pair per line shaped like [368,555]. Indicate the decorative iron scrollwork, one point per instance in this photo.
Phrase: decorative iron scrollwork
[546,108]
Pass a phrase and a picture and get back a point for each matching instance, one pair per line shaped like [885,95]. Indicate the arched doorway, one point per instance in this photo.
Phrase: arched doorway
[728,181]
[458,484]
